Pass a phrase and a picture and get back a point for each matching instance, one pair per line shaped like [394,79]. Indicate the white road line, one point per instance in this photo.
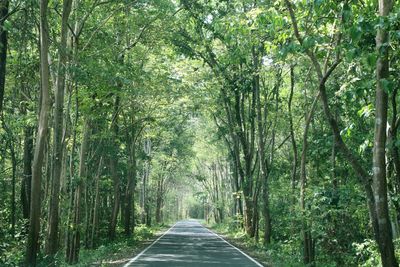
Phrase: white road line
[247,256]
[144,251]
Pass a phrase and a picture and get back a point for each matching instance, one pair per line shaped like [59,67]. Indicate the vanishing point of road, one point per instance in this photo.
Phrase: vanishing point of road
[189,244]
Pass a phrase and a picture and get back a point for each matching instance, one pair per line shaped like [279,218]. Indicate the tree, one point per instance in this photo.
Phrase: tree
[52,242]
[4,4]
[32,247]
[384,230]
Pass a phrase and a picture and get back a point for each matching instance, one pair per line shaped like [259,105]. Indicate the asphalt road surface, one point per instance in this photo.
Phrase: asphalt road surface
[189,244]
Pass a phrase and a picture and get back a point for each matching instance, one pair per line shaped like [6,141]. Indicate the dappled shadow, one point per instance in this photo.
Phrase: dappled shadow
[191,245]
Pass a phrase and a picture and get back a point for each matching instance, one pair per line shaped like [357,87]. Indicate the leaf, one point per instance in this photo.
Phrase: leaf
[387,85]
[355,34]
[309,42]
[371,59]
[365,111]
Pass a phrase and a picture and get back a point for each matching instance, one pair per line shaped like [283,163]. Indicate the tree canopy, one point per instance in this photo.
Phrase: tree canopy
[276,120]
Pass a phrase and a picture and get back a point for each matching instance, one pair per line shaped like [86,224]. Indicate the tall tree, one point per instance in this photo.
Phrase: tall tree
[385,240]
[4,5]
[57,159]
[32,246]
[74,231]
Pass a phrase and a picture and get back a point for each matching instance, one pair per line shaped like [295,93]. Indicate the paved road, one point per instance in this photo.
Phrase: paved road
[189,244]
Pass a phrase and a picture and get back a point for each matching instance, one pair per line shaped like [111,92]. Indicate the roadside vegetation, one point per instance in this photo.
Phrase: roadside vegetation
[276,120]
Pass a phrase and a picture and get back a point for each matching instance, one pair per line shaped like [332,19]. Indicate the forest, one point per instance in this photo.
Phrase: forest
[275,121]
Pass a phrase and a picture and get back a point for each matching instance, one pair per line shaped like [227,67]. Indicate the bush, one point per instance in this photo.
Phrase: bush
[143,232]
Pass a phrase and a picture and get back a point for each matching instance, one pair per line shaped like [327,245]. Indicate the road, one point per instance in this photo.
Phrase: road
[189,244]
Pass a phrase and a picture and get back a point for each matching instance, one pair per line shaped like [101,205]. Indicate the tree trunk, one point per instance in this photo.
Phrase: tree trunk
[117,197]
[13,181]
[261,150]
[11,143]
[74,233]
[114,173]
[3,49]
[96,205]
[130,188]
[307,241]
[394,152]
[385,241]
[292,136]
[52,244]
[27,172]
[159,201]
[32,247]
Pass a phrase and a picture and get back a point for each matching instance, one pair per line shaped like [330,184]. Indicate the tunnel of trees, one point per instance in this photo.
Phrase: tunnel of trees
[276,119]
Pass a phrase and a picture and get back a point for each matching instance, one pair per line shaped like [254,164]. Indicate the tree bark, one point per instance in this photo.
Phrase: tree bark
[130,188]
[27,172]
[3,49]
[117,198]
[159,199]
[292,135]
[394,153]
[73,246]
[13,182]
[261,150]
[385,241]
[307,244]
[52,244]
[96,206]
[32,247]
[114,173]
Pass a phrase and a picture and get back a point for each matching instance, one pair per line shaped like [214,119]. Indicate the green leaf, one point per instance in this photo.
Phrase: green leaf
[371,60]
[355,34]
[387,85]
[309,41]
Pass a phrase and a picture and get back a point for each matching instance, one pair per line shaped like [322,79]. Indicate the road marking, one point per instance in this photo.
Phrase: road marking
[146,249]
[247,256]
[217,235]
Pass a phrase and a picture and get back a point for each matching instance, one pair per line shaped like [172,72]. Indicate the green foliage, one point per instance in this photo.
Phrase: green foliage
[169,90]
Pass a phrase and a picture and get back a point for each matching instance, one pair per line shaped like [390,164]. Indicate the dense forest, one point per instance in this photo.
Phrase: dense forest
[277,120]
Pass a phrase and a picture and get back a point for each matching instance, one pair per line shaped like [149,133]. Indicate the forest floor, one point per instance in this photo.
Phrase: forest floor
[121,251]
[123,256]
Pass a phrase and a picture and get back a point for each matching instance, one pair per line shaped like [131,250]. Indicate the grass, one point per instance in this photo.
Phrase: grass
[276,255]
[118,252]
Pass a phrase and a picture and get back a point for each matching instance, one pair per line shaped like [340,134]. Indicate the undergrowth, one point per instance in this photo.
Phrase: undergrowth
[287,253]
[121,247]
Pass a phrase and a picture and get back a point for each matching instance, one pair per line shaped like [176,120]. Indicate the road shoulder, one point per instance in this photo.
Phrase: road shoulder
[123,254]
[240,243]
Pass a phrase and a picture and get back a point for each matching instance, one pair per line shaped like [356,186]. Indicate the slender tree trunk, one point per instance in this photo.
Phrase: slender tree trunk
[261,151]
[117,198]
[3,49]
[96,205]
[52,235]
[75,231]
[27,172]
[307,240]
[71,186]
[11,144]
[146,174]
[394,151]
[32,246]
[129,196]
[292,136]
[13,181]
[114,173]
[159,201]
[248,153]
[385,241]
